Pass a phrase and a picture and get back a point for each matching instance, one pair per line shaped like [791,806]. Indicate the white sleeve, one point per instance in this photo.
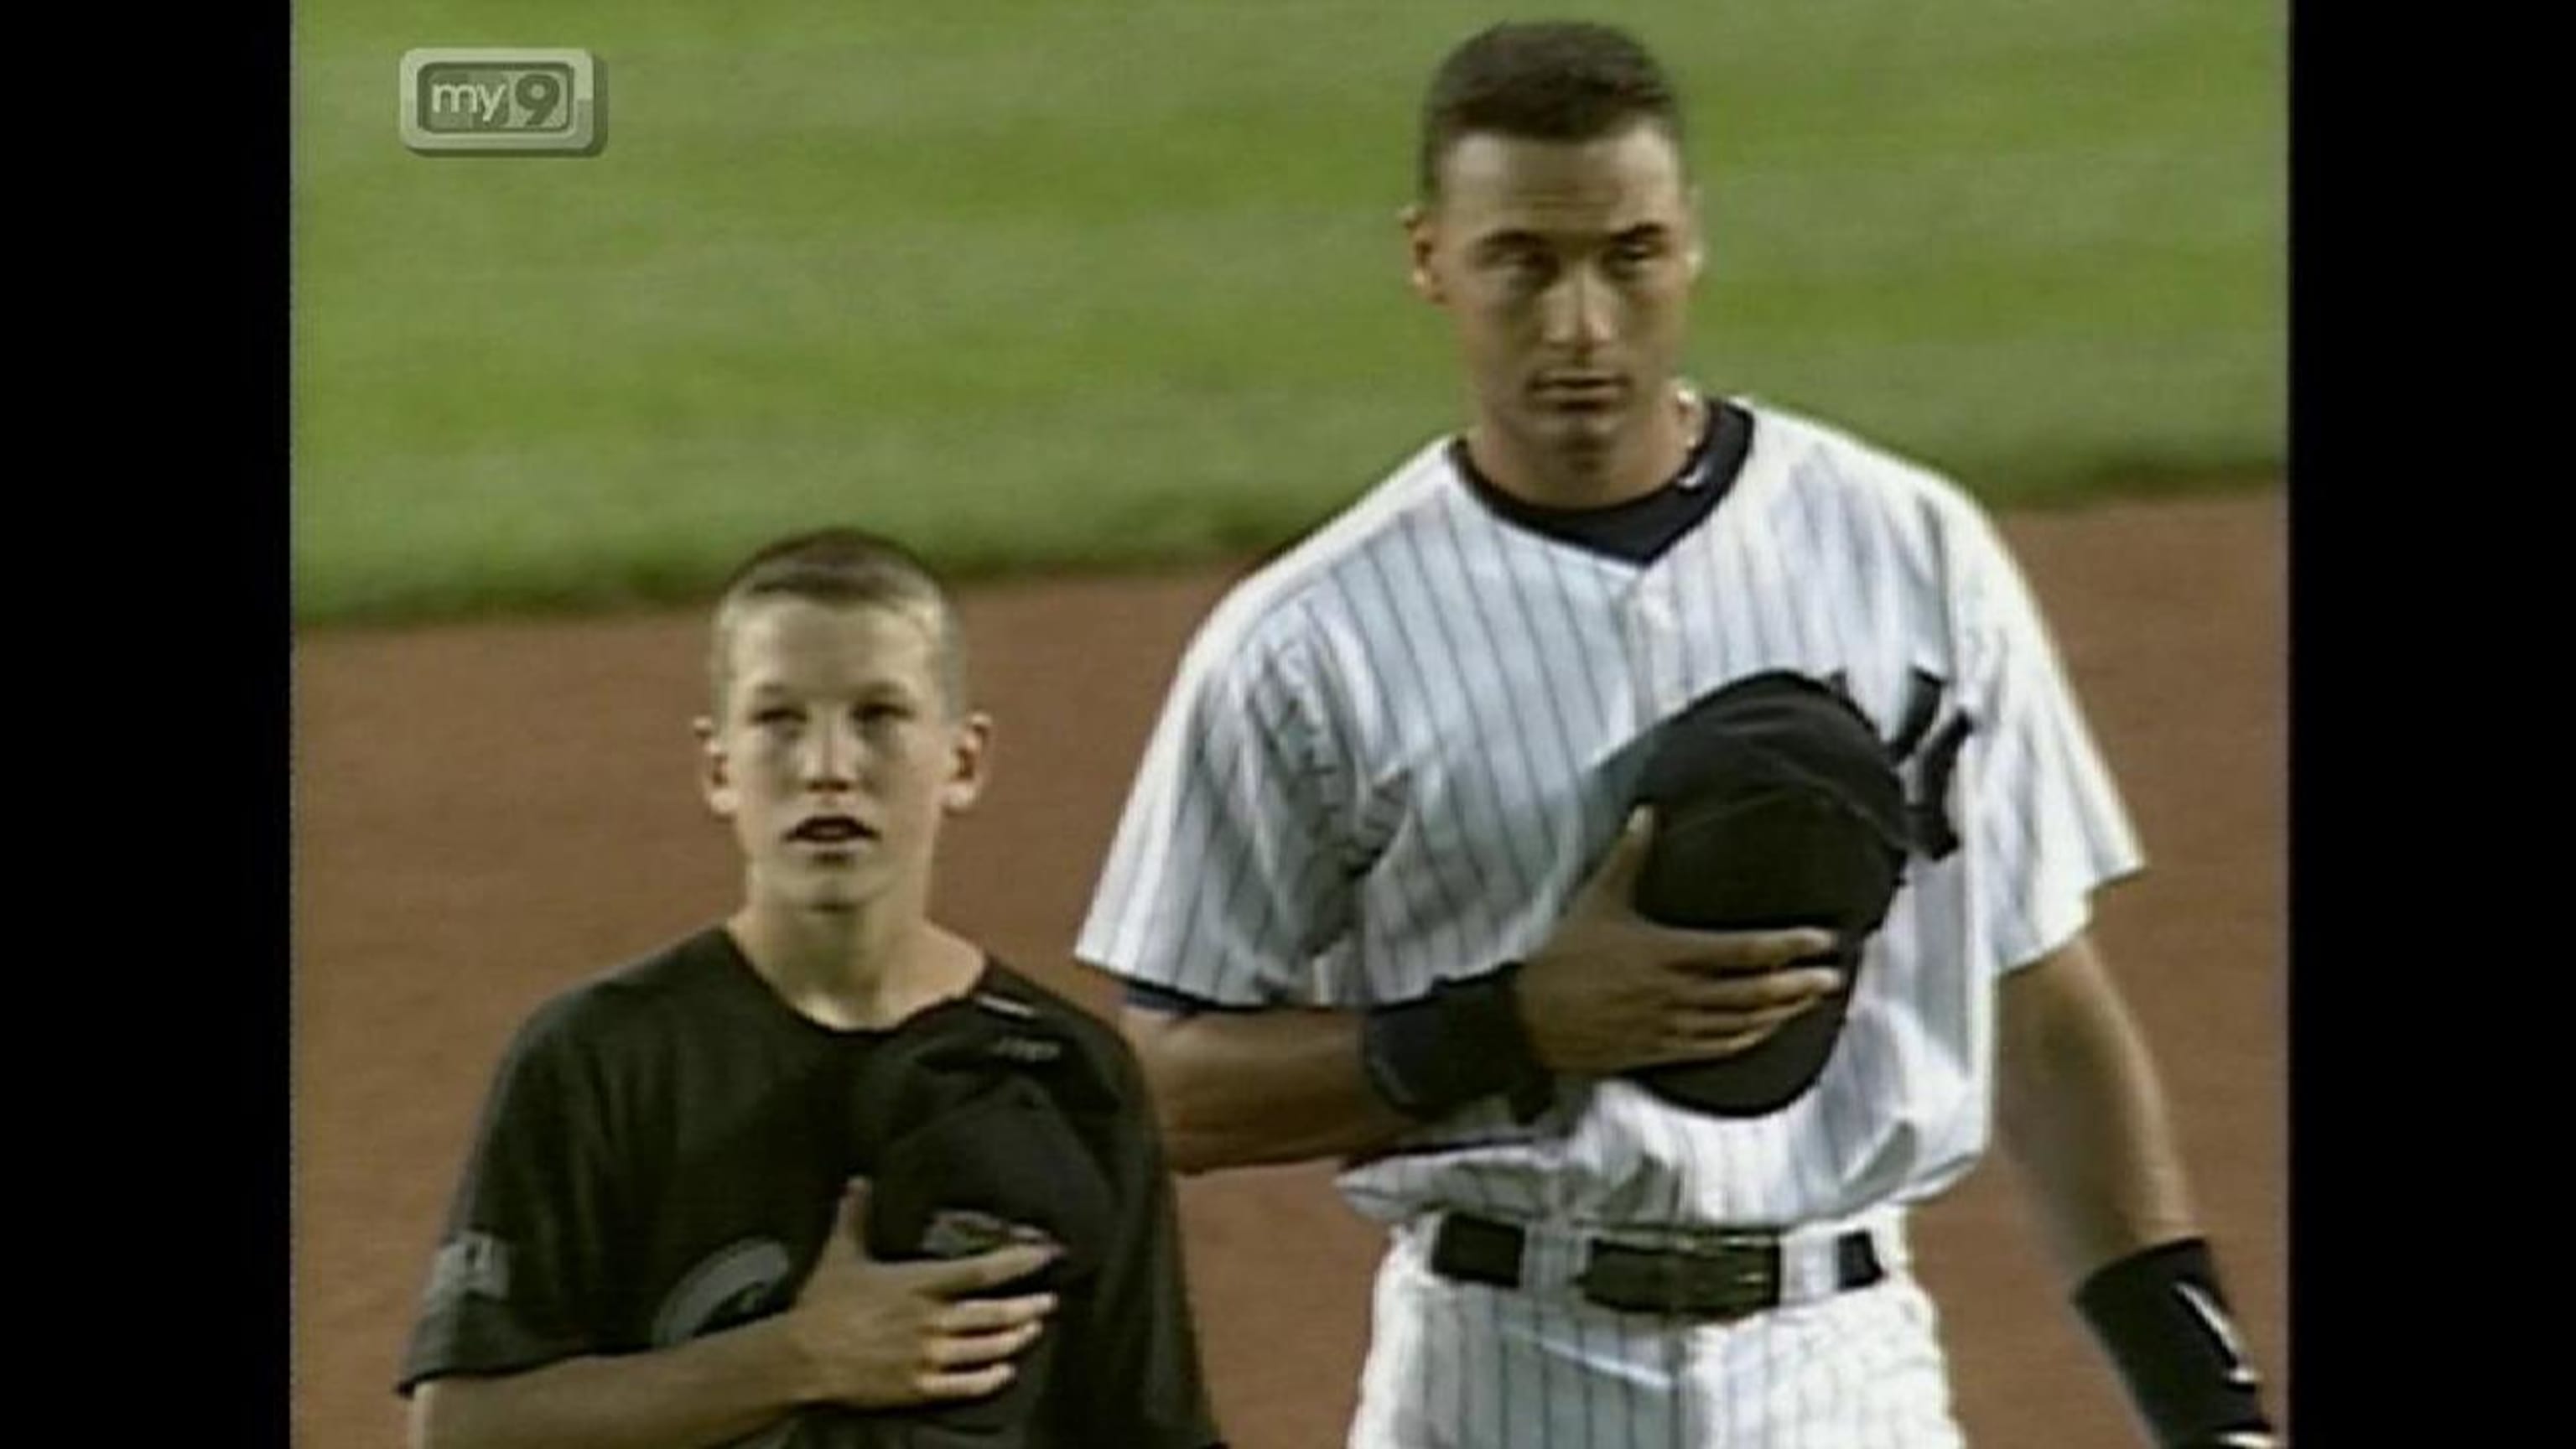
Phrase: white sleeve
[2041,814]
[1223,881]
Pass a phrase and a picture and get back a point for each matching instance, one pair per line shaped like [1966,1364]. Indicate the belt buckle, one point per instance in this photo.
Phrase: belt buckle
[1724,1276]
[1717,1277]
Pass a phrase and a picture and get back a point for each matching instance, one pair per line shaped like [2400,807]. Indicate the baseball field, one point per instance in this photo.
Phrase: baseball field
[1096,303]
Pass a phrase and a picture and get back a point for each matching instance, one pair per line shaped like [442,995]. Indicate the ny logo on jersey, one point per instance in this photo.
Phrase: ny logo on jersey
[1933,754]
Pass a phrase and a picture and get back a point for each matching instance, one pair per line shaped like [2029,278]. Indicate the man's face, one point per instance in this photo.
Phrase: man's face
[1567,269]
[837,756]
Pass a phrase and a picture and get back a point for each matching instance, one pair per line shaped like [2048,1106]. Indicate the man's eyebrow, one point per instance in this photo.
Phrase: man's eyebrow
[1510,237]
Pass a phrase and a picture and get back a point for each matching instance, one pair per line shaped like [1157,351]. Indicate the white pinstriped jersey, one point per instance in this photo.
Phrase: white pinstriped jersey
[1391,756]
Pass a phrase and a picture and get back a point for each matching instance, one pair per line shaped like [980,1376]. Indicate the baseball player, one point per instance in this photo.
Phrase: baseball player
[1372,891]
[825,1175]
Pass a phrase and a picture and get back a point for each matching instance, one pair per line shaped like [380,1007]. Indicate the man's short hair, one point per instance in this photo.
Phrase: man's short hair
[1553,80]
[847,567]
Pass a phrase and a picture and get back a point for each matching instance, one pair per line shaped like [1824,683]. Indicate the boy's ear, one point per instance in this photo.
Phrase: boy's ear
[715,771]
[970,763]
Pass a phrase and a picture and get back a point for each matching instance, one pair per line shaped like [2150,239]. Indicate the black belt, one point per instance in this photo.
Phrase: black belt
[1727,1275]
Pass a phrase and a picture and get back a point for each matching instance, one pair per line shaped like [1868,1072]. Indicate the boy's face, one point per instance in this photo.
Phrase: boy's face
[837,754]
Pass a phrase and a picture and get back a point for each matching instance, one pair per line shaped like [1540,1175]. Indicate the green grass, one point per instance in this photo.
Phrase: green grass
[1068,285]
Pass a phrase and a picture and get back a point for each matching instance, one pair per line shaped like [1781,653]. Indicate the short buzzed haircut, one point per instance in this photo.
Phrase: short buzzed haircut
[1553,80]
[840,566]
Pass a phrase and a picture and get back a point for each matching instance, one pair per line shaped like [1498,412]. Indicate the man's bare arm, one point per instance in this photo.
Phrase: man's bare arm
[1243,1088]
[2082,1114]
[1608,992]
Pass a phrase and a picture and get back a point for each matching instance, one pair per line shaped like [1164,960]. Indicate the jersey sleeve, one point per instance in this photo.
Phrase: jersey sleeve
[1130,1359]
[2042,816]
[518,1280]
[1226,879]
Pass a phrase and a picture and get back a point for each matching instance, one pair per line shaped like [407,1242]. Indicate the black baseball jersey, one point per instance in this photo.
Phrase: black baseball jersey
[661,1157]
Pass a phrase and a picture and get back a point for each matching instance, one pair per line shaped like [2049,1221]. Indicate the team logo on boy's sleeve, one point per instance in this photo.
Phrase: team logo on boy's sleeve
[471,1263]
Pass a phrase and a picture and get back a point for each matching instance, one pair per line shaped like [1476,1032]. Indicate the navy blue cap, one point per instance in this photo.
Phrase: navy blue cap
[1776,806]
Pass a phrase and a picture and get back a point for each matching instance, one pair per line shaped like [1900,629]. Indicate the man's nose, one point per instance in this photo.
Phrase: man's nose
[1578,312]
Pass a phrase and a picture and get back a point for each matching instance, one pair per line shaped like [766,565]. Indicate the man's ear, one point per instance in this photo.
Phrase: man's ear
[1421,247]
[970,763]
[715,771]
[1696,249]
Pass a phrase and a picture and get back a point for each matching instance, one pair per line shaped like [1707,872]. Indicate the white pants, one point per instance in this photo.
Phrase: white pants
[1456,1365]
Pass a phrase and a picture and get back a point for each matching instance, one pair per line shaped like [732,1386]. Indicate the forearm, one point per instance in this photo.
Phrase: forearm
[1241,1089]
[2083,1116]
[705,1392]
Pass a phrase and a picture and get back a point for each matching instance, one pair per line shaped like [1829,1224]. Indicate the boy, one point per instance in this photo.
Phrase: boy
[666,1236]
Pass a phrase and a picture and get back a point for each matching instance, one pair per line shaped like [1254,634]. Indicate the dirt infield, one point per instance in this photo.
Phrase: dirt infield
[484,814]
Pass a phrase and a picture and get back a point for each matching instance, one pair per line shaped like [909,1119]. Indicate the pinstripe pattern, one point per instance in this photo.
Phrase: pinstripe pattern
[1390,757]
[1858,1370]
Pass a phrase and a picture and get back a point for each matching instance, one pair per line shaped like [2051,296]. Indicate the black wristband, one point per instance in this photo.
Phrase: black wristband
[2164,1321]
[1464,1041]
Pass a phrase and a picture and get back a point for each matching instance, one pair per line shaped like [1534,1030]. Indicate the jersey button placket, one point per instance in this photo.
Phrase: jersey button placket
[1653,634]
[1659,676]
